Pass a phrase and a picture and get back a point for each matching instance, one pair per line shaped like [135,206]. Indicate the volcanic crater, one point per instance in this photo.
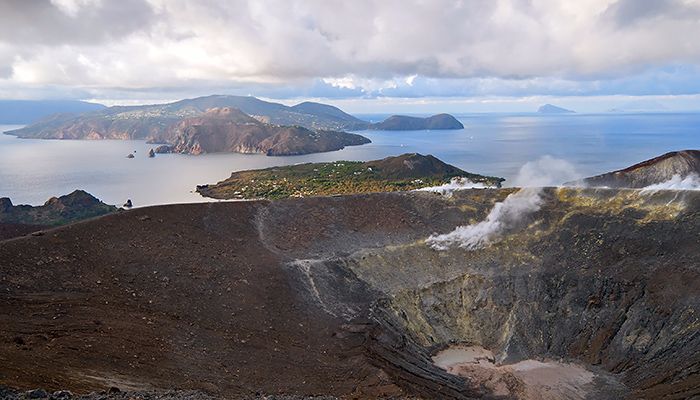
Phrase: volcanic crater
[595,294]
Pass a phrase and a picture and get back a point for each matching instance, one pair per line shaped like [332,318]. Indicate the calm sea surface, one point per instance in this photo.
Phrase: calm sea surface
[31,171]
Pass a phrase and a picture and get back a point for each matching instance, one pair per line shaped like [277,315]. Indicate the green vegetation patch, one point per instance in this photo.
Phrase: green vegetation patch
[401,173]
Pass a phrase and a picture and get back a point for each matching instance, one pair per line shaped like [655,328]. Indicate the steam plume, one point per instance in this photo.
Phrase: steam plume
[507,215]
[458,183]
[690,182]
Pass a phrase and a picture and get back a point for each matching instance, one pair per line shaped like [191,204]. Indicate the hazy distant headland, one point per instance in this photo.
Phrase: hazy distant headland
[29,111]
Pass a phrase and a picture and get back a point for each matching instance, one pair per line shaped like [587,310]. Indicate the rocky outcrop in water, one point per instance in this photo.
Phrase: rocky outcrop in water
[650,172]
[163,149]
[348,299]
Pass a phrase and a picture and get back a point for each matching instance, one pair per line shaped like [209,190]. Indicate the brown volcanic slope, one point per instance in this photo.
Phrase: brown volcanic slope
[230,130]
[649,172]
[341,295]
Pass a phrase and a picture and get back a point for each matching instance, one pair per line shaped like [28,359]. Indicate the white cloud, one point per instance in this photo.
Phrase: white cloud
[72,7]
[378,46]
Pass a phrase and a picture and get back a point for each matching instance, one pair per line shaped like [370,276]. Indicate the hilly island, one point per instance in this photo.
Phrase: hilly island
[406,123]
[217,123]
[401,173]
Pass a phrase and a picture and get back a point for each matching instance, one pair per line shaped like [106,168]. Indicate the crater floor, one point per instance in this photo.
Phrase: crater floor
[529,379]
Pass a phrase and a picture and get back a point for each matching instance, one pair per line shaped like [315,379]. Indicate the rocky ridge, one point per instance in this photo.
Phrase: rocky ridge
[653,171]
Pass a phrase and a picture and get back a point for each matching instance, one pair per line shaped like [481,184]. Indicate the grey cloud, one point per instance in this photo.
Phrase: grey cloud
[40,22]
[627,12]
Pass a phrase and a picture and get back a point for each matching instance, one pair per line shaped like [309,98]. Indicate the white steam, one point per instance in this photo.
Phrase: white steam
[458,183]
[545,171]
[690,182]
[502,217]
[506,215]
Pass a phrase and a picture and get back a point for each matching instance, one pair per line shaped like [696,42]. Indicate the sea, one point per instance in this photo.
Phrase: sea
[31,171]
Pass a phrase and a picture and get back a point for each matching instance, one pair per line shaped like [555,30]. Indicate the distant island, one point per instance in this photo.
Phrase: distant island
[197,126]
[151,121]
[405,123]
[249,125]
[17,220]
[404,172]
[552,109]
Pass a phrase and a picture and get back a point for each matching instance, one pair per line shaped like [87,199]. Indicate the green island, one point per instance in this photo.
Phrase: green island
[401,173]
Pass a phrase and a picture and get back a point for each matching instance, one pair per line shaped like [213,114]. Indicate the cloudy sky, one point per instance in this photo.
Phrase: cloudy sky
[472,55]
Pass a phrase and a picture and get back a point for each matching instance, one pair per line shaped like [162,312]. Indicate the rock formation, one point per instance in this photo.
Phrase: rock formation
[163,149]
[72,207]
[230,130]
